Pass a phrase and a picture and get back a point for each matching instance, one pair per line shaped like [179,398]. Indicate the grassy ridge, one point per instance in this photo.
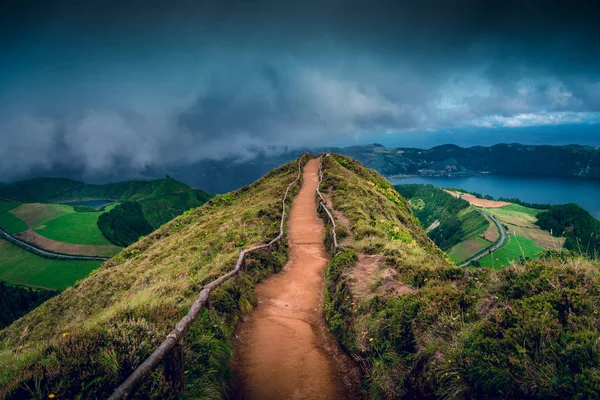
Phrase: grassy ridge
[527,331]
[90,338]
[21,267]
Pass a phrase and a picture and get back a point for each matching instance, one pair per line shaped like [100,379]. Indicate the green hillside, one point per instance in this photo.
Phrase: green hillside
[127,222]
[160,200]
[459,226]
[424,329]
[16,301]
[418,326]
[54,190]
[98,330]
[8,221]
[21,267]
[580,228]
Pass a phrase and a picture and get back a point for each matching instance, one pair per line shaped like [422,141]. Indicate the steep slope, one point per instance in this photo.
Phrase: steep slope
[580,228]
[89,338]
[424,329]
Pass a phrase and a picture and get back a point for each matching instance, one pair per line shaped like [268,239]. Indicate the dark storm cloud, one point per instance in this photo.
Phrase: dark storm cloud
[109,85]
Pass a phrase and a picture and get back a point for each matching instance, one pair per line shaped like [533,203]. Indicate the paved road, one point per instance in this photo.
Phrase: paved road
[46,253]
[494,247]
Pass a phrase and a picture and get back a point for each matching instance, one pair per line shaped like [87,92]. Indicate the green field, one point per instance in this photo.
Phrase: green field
[76,228]
[38,214]
[515,247]
[468,249]
[521,209]
[24,268]
[473,226]
[6,205]
[9,221]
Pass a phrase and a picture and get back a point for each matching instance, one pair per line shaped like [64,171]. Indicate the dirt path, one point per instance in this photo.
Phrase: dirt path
[283,349]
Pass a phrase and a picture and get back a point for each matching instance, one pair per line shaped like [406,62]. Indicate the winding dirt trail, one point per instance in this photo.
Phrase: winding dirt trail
[283,349]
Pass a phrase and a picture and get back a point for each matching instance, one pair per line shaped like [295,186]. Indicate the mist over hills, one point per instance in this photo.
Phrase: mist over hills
[446,160]
[230,173]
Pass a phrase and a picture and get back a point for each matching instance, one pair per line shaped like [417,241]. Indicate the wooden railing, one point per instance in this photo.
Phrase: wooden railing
[170,349]
[323,204]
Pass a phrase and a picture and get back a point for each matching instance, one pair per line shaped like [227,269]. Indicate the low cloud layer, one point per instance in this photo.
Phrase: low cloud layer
[119,89]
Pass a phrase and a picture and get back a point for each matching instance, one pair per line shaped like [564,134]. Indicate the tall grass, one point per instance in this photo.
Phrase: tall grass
[531,330]
[87,340]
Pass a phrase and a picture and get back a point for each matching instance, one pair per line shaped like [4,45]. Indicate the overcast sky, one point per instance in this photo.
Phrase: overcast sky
[102,85]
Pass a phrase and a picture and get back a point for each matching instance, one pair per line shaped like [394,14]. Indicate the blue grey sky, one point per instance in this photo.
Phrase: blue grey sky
[123,86]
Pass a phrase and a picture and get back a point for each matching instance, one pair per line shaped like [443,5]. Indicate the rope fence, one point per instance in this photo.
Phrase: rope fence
[170,347]
[322,203]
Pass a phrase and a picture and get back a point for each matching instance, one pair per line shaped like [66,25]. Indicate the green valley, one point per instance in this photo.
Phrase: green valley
[77,229]
[467,229]
[19,266]
[416,324]
[454,225]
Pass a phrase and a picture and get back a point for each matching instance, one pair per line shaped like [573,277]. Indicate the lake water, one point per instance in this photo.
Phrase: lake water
[544,190]
[97,204]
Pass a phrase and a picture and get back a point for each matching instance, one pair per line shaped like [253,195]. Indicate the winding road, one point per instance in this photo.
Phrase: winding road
[46,253]
[492,248]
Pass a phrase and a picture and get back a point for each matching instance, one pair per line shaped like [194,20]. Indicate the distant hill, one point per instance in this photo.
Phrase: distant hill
[447,160]
[580,228]
[507,159]
[225,175]
[55,190]
[124,224]
[156,202]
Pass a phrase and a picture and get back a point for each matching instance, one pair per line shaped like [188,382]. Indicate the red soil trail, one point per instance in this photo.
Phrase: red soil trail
[283,349]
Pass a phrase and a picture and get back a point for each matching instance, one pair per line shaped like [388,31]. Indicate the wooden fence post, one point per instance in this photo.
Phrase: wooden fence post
[173,369]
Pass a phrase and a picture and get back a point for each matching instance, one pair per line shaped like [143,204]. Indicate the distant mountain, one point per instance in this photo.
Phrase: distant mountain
[447,160]
[225,175]
[505,159]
